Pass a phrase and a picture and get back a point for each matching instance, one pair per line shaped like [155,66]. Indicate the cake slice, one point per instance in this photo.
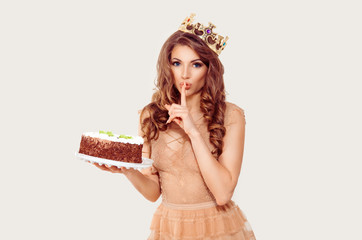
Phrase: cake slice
[124,148]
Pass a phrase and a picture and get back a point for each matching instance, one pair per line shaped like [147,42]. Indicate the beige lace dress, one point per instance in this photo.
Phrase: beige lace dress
[188,209]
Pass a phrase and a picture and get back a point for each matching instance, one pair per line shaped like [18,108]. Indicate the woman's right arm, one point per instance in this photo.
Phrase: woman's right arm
[145,181]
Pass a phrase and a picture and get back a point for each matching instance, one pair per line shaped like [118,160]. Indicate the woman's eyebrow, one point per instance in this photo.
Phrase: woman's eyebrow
[191,61]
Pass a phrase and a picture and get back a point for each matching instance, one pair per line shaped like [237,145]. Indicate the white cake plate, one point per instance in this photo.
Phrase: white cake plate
[145,162]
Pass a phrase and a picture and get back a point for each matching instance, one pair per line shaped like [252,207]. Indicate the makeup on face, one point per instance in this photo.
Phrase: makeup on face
[187,69]
[188,85]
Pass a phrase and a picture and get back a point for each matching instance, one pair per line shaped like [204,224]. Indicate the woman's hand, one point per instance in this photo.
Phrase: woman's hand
[113,169]
[180,114]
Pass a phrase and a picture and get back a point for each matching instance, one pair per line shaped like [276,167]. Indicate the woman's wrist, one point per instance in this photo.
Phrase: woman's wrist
[129,172]
[194,133]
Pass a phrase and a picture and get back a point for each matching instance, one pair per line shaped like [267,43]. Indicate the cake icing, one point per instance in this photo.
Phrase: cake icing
[115,138]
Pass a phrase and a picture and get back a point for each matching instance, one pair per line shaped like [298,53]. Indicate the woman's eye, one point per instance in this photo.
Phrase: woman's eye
[197,65]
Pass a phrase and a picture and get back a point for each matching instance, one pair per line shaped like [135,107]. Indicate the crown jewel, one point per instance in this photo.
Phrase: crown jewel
[215,41]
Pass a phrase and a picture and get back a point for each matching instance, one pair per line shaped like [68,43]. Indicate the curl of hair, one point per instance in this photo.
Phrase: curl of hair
[154,116]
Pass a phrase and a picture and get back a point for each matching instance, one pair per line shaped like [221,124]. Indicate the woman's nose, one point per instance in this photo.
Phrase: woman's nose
[186,72]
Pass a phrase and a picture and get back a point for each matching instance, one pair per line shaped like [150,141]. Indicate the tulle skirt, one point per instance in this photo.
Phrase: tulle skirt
[204,221]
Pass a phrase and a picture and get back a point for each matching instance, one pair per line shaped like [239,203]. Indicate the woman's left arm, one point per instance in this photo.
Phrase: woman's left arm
[222,176]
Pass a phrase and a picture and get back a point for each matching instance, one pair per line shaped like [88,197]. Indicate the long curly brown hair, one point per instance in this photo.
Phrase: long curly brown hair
[212,103]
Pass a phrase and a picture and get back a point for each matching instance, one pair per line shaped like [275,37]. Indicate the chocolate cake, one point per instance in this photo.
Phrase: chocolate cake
[124,148]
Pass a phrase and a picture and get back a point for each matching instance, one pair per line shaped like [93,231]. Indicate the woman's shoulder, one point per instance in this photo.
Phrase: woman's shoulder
[145,111]
[232,107]
[233,113]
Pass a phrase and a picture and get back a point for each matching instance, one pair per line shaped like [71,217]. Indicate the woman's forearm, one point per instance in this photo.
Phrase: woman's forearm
[216,176]
[147,187]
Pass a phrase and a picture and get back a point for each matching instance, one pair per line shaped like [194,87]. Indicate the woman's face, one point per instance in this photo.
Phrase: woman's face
[187,68]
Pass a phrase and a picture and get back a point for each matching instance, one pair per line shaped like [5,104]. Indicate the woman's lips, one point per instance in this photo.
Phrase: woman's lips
[188,85]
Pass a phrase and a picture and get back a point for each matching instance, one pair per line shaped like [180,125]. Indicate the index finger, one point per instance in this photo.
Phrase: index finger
[183,95]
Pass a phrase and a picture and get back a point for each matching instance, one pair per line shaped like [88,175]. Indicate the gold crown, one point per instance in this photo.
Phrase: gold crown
[216,42]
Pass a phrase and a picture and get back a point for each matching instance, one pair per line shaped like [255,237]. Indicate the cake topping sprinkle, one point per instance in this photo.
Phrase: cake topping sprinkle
[124,136]
[110,134]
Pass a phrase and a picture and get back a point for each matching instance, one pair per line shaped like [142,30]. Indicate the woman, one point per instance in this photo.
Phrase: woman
[196,140]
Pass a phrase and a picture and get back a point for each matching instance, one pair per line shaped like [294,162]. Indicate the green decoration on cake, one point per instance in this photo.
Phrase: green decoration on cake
[124,136]
[110,134]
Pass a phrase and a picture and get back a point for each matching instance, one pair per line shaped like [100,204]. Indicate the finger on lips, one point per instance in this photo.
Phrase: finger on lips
[183,95]
[175,108]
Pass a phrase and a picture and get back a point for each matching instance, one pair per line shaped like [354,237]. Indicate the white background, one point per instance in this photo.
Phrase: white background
[67,67]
